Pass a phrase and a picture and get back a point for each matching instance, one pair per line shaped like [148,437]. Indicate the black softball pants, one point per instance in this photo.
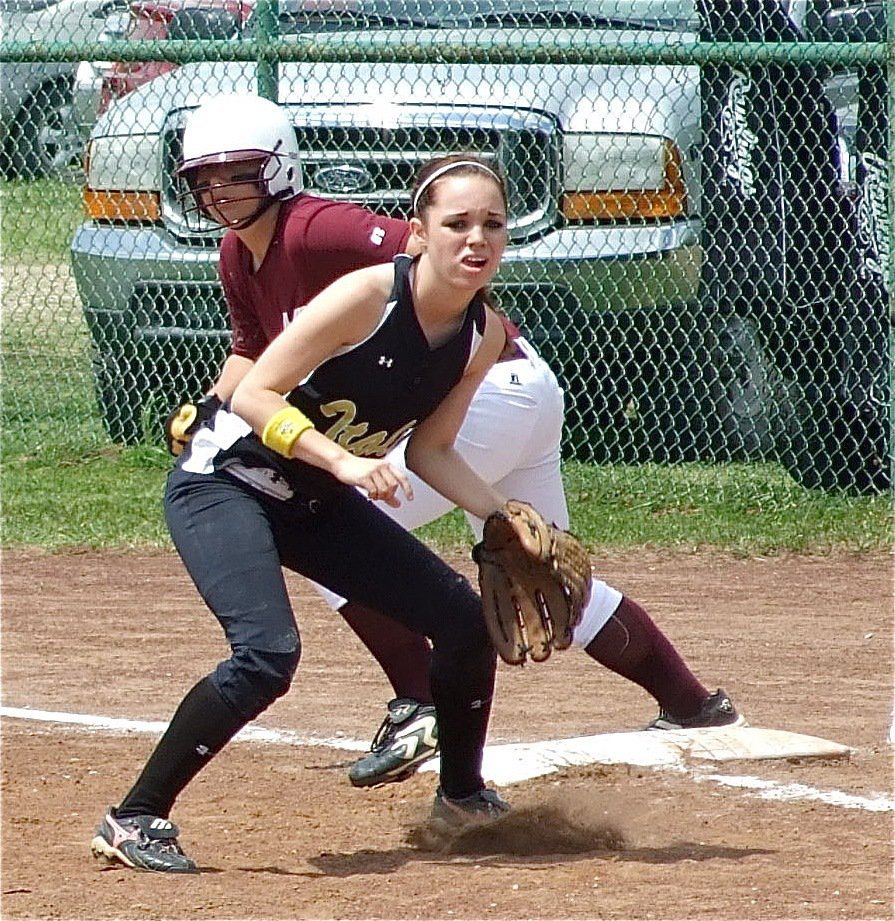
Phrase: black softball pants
[234,542]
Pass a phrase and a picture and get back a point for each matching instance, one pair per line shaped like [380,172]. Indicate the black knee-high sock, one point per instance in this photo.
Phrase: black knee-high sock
[633,646]
[463,692]
[202,725]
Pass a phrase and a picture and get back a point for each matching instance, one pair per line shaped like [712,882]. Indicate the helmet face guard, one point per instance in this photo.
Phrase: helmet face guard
[200,200]
[233,130]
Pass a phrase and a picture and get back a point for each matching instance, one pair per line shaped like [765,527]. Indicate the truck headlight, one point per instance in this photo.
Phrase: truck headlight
[613,176]
[120,170]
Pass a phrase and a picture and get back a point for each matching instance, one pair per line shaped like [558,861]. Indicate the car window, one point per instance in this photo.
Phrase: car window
[847,20]
[569,14]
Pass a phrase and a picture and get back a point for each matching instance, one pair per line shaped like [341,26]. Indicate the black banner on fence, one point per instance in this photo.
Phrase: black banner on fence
[789,250]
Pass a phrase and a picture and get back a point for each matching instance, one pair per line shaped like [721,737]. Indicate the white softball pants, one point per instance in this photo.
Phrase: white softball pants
[511,438]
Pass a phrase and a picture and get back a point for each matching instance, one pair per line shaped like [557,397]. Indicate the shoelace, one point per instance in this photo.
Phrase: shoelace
[383,734]
[166,845]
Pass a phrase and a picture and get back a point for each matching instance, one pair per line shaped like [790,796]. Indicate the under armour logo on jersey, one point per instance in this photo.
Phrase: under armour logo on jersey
[377,236]
[385,362]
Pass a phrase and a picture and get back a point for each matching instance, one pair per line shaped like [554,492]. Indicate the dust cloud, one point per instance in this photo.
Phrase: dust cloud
[571,822]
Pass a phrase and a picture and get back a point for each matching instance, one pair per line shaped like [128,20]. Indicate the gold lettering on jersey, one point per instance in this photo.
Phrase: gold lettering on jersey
[352,436]
[344,430]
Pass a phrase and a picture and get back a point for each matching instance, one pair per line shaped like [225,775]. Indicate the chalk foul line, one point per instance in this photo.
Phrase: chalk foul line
[512,763]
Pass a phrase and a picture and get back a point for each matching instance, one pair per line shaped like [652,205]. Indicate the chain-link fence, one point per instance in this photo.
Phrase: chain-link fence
[699,214]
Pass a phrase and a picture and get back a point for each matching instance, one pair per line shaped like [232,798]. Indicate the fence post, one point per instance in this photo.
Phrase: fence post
[268,70]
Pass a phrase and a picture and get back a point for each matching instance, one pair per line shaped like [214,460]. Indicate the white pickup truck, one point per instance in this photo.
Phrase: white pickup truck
[651,217]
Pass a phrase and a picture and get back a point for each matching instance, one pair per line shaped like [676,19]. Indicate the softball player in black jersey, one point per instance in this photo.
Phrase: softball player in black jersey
[382,352]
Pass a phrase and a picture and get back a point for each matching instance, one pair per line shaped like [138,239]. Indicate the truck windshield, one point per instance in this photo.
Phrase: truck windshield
[298,16]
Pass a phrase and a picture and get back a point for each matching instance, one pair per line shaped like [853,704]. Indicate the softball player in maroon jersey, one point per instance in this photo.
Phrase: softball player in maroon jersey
[285,247]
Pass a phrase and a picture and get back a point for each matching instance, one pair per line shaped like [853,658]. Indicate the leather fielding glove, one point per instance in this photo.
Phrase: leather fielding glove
[535,581]
[184,422]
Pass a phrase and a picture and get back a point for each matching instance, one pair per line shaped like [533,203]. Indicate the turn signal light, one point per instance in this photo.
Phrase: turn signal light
[122,206]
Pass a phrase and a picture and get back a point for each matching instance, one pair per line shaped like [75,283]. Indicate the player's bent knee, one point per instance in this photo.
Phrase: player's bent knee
[461,627]
[253,678]
[603,602]
[469,651]
[275,672]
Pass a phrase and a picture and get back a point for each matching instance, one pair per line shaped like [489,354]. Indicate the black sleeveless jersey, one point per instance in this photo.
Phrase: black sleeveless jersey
[369,397]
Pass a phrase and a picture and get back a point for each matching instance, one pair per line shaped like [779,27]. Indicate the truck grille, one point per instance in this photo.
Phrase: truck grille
[347,158]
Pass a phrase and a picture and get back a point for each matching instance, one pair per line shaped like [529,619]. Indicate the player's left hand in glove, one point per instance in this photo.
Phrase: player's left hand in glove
[184,421]
[535,581]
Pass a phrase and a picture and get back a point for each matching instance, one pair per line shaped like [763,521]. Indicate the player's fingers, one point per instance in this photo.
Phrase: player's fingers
[405,485]
[379,484]
[392,499]
[383,482]
[398,480]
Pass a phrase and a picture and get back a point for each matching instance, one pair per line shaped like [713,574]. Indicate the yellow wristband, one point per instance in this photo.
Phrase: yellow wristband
[284,428]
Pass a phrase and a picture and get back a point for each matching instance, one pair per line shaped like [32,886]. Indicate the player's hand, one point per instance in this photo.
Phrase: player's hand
[184,421]
[379,479]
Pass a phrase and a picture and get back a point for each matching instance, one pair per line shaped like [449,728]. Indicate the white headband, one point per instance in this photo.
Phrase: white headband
[447,168]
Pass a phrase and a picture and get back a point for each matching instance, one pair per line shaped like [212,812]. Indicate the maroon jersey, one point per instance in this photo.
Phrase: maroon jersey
[316,241]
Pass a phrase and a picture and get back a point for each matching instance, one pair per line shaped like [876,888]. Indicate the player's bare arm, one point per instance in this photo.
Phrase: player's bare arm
[431,453]
[342,315]
[233,370]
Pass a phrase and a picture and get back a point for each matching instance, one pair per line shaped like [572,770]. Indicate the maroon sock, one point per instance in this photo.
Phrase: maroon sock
[404,656]
[633,646]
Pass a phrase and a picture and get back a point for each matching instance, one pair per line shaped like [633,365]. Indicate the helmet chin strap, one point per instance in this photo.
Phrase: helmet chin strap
[268,199]
[262,208]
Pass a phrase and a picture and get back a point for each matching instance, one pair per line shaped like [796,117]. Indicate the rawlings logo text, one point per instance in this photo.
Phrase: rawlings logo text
[738,139]
[872,211]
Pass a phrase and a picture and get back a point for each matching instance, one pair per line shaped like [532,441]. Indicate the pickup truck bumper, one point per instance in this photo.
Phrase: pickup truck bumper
[603,268]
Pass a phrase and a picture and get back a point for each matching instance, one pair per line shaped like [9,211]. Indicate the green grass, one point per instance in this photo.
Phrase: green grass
[743,508]
[39,219]
[111,498]
[108,498]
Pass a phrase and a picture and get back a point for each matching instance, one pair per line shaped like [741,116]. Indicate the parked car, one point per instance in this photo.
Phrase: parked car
[616,171]
[40,134]
[99,84]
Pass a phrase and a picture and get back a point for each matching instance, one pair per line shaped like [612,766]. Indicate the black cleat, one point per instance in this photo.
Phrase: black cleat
[479,809]
[143,842]
[717,710]
[407,737]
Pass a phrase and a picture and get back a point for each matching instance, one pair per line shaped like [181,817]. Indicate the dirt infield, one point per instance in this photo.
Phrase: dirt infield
[801,643]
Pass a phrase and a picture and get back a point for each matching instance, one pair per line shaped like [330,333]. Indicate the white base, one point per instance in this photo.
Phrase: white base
[507,764]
